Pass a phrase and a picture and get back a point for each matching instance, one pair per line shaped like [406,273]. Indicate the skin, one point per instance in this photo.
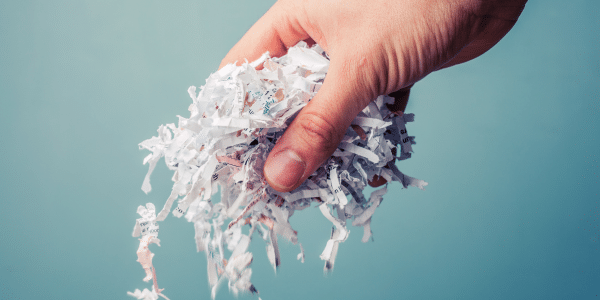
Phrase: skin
[376,47]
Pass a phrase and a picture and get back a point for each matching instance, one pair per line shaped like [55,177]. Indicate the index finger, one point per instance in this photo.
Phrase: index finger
[275,31]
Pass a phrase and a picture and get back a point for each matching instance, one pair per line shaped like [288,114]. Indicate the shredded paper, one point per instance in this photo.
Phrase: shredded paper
[236,119]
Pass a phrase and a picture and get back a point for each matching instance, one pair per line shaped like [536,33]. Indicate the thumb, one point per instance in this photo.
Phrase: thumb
[316,132]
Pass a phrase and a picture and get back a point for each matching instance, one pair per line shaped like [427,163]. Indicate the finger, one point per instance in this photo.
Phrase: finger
[275,31]
[377,181]
[400,100]
[316,132]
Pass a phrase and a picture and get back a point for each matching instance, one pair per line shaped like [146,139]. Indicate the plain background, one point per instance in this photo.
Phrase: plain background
[509,144]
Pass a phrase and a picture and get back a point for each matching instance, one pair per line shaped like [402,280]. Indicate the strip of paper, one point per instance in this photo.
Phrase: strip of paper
[336,188]
[368,154]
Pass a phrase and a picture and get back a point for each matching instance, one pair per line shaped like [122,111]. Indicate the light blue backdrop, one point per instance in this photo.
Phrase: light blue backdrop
[509,144]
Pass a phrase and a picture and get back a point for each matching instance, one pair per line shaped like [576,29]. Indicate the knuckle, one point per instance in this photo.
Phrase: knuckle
[317,131]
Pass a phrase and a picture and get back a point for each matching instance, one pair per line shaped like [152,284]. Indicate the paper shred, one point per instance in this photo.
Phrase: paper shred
[147,227]
[235,120]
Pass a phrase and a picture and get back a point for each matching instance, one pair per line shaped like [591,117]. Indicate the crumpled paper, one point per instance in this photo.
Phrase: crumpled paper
[236,119]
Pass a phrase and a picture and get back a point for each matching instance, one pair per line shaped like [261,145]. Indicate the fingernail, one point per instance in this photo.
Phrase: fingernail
[285,169]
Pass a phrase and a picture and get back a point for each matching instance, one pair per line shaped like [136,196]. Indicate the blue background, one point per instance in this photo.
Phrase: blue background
[509,144]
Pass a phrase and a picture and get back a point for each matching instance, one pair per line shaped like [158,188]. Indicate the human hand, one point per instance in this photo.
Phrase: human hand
[375,48]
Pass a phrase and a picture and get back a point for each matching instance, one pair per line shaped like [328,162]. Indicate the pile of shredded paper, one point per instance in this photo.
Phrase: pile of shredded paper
[235,121]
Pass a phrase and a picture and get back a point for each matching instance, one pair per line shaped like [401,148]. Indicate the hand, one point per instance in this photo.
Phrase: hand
[376,47]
